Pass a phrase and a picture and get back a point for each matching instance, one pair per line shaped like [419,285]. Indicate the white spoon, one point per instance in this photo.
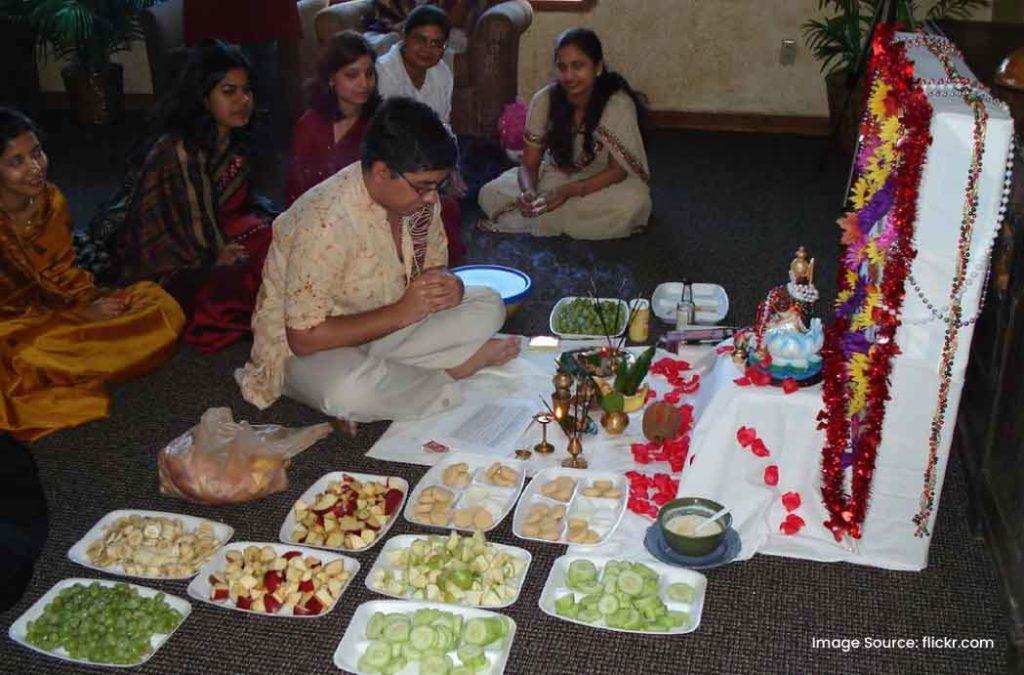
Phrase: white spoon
[710,520]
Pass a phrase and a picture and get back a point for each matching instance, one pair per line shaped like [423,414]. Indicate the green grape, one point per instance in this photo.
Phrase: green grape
[103,624]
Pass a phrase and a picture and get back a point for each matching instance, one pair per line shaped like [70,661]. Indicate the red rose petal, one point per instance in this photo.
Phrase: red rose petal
[746,435]
[673,396]
[759,448]
[791,500]
[742,381]
[789,385]
[771,475]
[792,524]
[650,394]
[724,349]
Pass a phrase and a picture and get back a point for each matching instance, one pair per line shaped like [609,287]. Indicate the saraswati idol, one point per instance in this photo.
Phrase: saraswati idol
[786,340]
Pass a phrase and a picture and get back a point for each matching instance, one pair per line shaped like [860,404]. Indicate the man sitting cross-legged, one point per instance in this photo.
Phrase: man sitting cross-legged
[358,315]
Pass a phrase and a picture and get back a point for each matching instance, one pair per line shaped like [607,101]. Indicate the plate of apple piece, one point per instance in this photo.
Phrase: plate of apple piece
[345,511]
[274,579]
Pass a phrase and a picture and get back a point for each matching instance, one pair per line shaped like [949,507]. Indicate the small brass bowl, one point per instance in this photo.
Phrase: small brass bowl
[693,546]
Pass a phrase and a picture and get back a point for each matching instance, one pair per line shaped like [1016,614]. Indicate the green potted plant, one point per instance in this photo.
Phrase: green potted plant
[837,38]
[88,32]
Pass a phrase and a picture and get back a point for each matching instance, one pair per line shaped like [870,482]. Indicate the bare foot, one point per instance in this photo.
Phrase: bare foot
[494,352]
[343,426]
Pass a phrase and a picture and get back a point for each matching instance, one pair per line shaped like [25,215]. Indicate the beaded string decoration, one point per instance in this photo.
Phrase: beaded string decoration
[877,252]
[975,97]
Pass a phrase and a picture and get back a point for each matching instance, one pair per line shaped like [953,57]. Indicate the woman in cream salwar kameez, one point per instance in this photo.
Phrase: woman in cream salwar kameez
[584,172]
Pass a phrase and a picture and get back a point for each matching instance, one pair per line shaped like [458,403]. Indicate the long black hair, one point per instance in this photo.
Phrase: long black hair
[608,83]
[341,50]
[183,111]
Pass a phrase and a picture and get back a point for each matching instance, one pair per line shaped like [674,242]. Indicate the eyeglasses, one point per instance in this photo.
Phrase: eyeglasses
[423,41]
[422,191]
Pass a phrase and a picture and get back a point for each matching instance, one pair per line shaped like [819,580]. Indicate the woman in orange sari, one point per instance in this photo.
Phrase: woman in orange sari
[61,337]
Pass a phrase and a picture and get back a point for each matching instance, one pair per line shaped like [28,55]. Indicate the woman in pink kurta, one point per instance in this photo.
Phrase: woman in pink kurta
[329,135]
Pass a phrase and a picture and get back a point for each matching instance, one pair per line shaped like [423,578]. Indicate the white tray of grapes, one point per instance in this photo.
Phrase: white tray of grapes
[466,491]
[576,318]
[579,507]
[91,610]
[624,595]
[406,637]
[454,569]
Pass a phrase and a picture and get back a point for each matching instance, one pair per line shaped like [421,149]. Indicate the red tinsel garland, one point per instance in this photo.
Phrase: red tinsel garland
[846,511]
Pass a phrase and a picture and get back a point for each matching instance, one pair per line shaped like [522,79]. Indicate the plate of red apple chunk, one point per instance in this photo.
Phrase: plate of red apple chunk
[274,579]
[345,511]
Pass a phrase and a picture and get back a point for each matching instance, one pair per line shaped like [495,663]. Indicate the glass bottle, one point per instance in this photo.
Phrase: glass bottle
[685,307]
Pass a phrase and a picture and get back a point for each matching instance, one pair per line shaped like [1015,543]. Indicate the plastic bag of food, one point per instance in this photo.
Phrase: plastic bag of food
[220,461]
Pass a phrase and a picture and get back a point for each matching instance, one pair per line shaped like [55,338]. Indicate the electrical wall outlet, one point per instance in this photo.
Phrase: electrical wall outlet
[787,53]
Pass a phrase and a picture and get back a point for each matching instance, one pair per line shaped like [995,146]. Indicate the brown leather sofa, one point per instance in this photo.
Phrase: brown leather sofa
[486,74]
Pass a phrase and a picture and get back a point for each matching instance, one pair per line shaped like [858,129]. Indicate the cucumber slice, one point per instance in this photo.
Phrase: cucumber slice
[590,601]
[470,653]
[436,664]
[365,666]
[376,626]
[423,617]
[410,652]
[477,632]
[377,654]
[631,583]
[397,628]
[395,666]
[617,619]
[608,604]
[588,615]
[463,670]
[445,639]
[589,587]
[499,628]
[581,571]
[634,621]
[566,606]
[423,638]
[679,619]
[680,592]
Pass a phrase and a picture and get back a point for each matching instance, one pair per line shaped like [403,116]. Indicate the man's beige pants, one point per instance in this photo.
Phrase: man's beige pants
[401,375]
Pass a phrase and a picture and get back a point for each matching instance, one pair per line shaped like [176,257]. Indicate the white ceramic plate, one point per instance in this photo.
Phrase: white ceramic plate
[506,496]
[19,629]
[579,336]
[555,587]
[604,514]
[310,495]
[354,642]
[77,553]
[711,301]
[200,586]
[405,540]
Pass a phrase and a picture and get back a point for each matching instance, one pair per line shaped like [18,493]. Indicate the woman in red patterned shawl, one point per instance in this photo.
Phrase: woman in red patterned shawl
[329,135]
[188,218]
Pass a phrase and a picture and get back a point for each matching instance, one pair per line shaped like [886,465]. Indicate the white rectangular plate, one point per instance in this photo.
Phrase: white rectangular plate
[77,553]
[19,629]
[578,502]
[477,463]
[555,587]
[578,336]
[310,495]
[200,586]
[405,540]
[354,642]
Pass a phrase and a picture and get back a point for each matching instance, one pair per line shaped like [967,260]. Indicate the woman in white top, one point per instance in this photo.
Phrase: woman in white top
[414,67]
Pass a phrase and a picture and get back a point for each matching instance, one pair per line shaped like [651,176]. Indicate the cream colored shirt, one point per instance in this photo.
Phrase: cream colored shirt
[332,254]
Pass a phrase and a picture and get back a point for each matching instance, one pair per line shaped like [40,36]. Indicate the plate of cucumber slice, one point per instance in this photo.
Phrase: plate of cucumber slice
[406,637]
[624,595]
